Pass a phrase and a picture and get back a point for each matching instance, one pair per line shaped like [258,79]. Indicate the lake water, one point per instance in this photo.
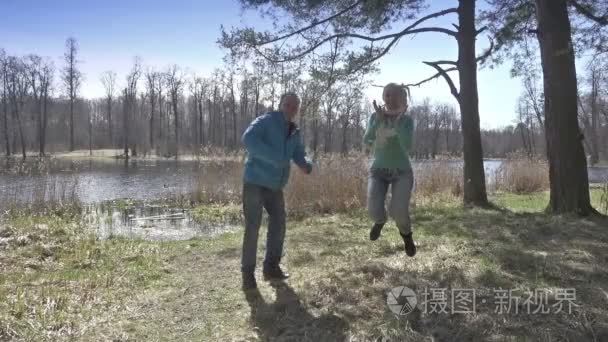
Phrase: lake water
[98,182]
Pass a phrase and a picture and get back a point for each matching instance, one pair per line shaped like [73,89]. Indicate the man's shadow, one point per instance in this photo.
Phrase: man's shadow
[288,320]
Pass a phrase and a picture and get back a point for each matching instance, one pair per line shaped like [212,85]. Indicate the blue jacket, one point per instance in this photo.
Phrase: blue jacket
[272,142]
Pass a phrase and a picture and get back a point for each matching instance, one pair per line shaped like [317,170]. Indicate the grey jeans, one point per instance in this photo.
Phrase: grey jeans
[401,182]
[255,198]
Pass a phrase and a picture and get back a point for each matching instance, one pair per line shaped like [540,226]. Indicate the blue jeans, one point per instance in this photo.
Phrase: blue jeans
[401,182]
[256,198]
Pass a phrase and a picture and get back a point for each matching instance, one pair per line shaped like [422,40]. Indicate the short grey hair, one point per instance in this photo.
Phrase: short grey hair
[286,95]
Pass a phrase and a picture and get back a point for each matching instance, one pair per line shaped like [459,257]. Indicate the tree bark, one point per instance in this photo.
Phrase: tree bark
[569,183]
[5,112]
[44,121]
[176,115]
[474,175]
[126,124]
[201,121]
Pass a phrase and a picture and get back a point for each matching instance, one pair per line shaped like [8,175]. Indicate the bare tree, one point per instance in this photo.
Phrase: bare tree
[17,91]
[152,80]
[5,99]
[108,79]
[175,83]
[130,102]
[590,115]
[72,78]
[46,81]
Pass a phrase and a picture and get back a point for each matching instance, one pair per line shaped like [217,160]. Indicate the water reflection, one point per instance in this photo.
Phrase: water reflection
[149,221]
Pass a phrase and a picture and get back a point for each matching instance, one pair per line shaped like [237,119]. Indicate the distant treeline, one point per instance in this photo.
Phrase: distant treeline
[171,112]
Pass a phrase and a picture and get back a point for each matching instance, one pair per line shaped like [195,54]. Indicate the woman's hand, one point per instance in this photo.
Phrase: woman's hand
[380,113]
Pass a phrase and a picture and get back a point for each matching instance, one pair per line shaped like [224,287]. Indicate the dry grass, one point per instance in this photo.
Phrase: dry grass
[437,177]
[337,184]
[53,195]
[339,281]
[521,176]
[604,198]
[59,282]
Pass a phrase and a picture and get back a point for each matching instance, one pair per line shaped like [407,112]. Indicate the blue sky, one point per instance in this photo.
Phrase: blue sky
[183,32]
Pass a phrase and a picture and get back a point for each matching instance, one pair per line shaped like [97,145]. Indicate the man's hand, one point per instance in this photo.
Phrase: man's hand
[305,170]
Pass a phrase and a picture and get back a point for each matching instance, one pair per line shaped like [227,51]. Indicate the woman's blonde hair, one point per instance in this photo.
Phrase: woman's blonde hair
[404,91]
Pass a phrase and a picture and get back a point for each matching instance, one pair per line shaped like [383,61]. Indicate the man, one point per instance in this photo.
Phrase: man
[272,141]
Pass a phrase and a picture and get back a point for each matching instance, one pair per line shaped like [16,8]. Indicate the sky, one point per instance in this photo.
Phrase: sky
[184,32]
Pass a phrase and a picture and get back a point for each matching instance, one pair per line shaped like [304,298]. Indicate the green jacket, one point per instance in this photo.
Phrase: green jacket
[390,140]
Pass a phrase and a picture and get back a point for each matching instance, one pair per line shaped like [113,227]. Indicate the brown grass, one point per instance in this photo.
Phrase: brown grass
[53,195]
[521,176]
[437,177]
[338,183]
[339,282]
[604,198]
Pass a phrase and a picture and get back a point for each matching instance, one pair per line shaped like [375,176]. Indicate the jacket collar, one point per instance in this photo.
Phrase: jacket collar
[292,126]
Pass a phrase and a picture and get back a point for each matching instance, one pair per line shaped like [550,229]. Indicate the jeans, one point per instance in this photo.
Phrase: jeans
[255,198]
[401,182]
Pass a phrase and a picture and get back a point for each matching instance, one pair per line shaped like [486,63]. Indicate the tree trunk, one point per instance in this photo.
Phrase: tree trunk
[328,134]
[176,115]
[569,183]
[474,175]
[7,142]
[160,117]
[71,123]
[90,135]
[17,116]
[345,140]
[201,123]
[44,122]
[595,156]
[225,121]
[233,110]
[152,108]
[110,122]
[210,121]
[126,125]
[257,100]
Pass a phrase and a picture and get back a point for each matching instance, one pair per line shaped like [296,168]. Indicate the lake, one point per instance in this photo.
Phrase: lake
[104,179]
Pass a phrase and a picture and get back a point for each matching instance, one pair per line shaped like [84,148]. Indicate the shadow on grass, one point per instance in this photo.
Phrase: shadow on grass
[288,320]
[484,250]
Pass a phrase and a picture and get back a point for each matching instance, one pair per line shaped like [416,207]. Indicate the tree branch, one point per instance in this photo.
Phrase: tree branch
[603,20]
[312,25]
[394,38]
[430,78]
[407,31]
[487,53]
[479,59]
[447,78]
[446,62]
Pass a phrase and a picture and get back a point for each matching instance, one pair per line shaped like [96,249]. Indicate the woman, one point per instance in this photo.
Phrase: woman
[389,136]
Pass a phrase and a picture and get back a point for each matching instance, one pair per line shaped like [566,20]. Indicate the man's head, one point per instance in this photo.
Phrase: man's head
[289,105]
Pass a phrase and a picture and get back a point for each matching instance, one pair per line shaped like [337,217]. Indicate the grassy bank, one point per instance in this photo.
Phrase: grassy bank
[59,282]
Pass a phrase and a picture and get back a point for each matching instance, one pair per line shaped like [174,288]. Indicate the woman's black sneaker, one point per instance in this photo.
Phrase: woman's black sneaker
[275,273]
[374,234]
[249,282]
[410,247]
